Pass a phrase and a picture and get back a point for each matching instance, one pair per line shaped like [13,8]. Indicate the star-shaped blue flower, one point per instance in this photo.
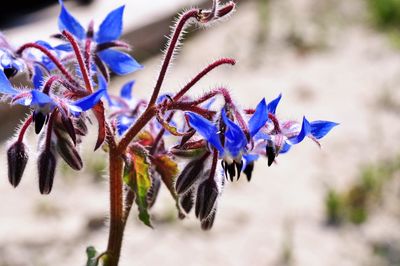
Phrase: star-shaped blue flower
[110,30]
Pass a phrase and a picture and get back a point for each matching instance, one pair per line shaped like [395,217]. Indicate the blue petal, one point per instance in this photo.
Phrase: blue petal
[37,78]
[119,62]
[259,118]
[67,22]
[40,99]
[111,27]
[126,90]
[285,148]
[89,101]
[65,47]
[305,130]
[249,158]
[45,44]
[273,104]
[320,128]
[123,124]
[5,85]
[235,139]
[206,129]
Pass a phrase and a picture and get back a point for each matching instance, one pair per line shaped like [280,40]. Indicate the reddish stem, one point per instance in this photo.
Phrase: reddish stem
[200,75]
[49,83]
[24,127]
[171,48]
[79,57]
[54,59]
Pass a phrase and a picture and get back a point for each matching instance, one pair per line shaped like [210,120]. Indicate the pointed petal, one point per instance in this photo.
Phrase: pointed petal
[5,85]
[67,22]
[119,62]
[320,128]
[37,78]
[111,27]
[235,139]
[259,118]
[65,47]
[305,130]
[126,90]
[285,148]
[274,104]
[89,101]
[206,129]
[123,123]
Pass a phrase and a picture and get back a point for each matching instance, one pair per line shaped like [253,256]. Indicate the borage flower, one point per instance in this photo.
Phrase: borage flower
[103,42]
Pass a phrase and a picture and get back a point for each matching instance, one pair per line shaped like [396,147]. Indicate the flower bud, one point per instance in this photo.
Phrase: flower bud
[70,155]
[46,167]
[154,189]
[186,201]
[207,194]
[189,175]
[209,222]
[17,157]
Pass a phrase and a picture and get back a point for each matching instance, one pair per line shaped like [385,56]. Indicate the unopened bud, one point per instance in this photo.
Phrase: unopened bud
[70,155]
[154,189]
[187,201]
[209,222]
[207,194]
[17,157]
[46,167]
[189,175]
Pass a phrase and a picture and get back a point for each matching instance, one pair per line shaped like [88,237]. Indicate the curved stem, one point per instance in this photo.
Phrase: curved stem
[81,62]
[204,72]
[54,59]
[24,127]
[170,51]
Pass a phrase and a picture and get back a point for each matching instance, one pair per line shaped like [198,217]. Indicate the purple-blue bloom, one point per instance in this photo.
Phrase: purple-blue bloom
[109,31]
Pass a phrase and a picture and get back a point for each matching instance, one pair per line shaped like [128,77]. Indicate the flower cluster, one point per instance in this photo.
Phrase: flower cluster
[216,141]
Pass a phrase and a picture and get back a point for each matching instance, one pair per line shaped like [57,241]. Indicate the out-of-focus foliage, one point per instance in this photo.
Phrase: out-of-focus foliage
[354,204]
[386,13]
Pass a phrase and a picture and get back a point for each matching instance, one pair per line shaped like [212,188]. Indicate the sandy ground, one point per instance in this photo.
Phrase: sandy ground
[340,74]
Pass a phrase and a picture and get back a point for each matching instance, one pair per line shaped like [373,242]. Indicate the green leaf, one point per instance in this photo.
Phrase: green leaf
[137,177]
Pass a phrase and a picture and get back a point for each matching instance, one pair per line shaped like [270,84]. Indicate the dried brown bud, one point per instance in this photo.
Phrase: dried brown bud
[154,189]
[17,157]
[46,167]
[209,222]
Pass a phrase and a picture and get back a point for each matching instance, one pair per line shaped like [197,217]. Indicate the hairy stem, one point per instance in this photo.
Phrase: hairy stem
[170,51]
[24,127]
[81,61]
[199,76]
[54,59]
[116,207]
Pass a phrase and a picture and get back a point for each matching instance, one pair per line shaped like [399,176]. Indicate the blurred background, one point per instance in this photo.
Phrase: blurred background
[335,60]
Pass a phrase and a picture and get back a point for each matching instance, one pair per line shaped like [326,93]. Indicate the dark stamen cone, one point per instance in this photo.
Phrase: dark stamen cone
[46,167]
[248,170]
[40,120]
[17,157]
[207,194]
[70,155]
[271,152]
[239,167]
[187,201]
[189,175]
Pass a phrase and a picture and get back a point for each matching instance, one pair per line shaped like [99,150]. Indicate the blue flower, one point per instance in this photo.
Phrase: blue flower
[277,137]
[109,31]
[43,104]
